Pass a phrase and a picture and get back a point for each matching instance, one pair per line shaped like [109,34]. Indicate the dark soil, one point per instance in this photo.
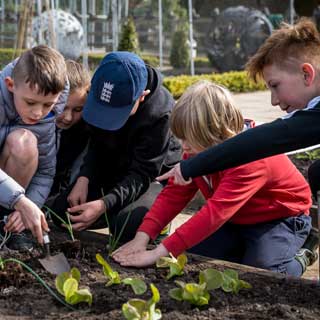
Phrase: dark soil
[272,296]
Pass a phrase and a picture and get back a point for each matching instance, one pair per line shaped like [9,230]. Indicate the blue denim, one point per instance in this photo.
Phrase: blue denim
[271,245]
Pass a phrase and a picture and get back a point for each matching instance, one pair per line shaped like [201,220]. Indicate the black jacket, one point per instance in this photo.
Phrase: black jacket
[125,161]
[301,130]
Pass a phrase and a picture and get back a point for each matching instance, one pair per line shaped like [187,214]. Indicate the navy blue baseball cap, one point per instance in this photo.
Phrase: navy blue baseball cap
[116,85]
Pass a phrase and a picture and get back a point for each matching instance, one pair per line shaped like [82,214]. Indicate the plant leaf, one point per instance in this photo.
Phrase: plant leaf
[70,286]
[213,278]
[155,293]
[130,312]
[82,295]
[163,262]
[231,273]
[182,260]
[75,273]
[60,280]
[108,271]
[138,286]
[176,293]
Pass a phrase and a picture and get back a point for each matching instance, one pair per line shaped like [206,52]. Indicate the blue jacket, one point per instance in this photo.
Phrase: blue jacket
[44,130]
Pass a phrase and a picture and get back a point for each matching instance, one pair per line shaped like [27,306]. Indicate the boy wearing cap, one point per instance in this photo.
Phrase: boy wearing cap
[128,112]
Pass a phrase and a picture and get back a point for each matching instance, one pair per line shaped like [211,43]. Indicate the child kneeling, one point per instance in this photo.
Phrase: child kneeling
[256,214]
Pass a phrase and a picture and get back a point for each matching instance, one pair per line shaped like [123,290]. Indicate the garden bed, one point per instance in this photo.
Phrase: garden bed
[272,296]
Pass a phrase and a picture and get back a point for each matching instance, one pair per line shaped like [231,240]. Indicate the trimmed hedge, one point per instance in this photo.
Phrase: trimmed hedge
[235,81]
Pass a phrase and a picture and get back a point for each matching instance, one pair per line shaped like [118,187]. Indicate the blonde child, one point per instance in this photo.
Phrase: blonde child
[255,214]
[73,134]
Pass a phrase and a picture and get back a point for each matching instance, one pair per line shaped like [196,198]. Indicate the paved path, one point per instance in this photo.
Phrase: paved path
[257,106]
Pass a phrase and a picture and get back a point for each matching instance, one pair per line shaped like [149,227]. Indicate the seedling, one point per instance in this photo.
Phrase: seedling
[176,265]
[228,280]
[138,286]
[138,309]
[67,223]
[4,238]
[67,284]
[114,238]
[37,277]
[194,293]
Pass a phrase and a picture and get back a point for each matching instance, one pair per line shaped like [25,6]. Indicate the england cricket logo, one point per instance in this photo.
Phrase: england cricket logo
[106,91]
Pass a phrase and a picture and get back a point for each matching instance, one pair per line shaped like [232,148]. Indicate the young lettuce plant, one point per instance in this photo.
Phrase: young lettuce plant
[67,223]
[138,286]
[228,280]
[194,293]
[138,309]
[3,262]
[176,266]
[67,284]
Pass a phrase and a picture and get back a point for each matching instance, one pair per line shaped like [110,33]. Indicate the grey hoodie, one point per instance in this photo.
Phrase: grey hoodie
[44,130]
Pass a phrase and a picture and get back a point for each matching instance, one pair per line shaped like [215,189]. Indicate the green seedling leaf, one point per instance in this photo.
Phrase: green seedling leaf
[176,265]
[213,278]
[69,288]
[67,284]
[194,293]
[138,309]
[138,286]
[82,295]
[231,282]
[112,275]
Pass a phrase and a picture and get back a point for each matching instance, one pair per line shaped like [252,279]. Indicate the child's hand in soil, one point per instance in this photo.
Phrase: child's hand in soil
[138,243]
[15,222]
[143,258]
[79,192]
[89,213]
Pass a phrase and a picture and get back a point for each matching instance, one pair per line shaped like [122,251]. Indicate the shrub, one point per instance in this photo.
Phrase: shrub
[179,55]
[129,39]
[235,81]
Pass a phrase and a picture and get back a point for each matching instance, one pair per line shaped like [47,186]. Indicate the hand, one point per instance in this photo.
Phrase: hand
[143,258]
[89,213]
[139,243]
[176,174]
[32,217]
[14,223]
[79,192]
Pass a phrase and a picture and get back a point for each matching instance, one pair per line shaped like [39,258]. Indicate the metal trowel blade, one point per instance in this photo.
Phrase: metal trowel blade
[55,264]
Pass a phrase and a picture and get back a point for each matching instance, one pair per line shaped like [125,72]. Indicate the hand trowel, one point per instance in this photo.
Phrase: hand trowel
[54,264]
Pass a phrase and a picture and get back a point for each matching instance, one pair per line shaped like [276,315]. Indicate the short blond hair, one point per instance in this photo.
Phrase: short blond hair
[41,67]
[78,76]
[205,115]
[300,42]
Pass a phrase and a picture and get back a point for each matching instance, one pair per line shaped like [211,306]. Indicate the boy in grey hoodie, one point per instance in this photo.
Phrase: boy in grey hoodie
[33,91]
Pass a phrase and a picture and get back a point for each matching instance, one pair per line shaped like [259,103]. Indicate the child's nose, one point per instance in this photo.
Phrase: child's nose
[274,99]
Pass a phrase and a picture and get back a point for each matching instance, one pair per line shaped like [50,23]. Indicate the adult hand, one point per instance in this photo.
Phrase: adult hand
[89,213]
[15,222]
[32,217]
[79,192]
[176,174]
[138,243]
[143,258]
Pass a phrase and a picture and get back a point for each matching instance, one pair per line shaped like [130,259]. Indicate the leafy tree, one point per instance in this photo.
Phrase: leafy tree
[129,39]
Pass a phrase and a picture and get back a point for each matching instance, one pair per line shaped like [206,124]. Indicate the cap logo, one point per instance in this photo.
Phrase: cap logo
[106,91]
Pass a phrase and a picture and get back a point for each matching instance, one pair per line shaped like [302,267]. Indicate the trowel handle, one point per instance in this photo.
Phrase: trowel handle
[46,239]
[46,242]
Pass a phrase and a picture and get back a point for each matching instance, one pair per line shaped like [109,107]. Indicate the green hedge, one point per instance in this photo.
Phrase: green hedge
[235,81]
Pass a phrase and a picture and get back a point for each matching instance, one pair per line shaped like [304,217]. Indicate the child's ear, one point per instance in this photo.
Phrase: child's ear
[9,83]
[144,94]
[309,73]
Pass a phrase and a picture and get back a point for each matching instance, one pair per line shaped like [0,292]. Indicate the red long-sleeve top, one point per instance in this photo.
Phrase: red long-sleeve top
[261,191]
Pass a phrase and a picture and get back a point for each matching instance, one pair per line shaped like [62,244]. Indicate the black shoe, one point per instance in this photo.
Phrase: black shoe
[308,254]
[20,242]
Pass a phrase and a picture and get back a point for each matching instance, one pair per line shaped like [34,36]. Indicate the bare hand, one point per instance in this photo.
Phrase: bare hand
[79,192]
[15,222]
[139,243]
[89,213]
[32,217]
[143,258]
[176,174]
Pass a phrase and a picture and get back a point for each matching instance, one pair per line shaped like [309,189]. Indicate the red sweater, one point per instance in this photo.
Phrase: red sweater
[261,191]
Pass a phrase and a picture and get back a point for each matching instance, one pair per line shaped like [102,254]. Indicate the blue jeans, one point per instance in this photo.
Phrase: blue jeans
[271,245]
